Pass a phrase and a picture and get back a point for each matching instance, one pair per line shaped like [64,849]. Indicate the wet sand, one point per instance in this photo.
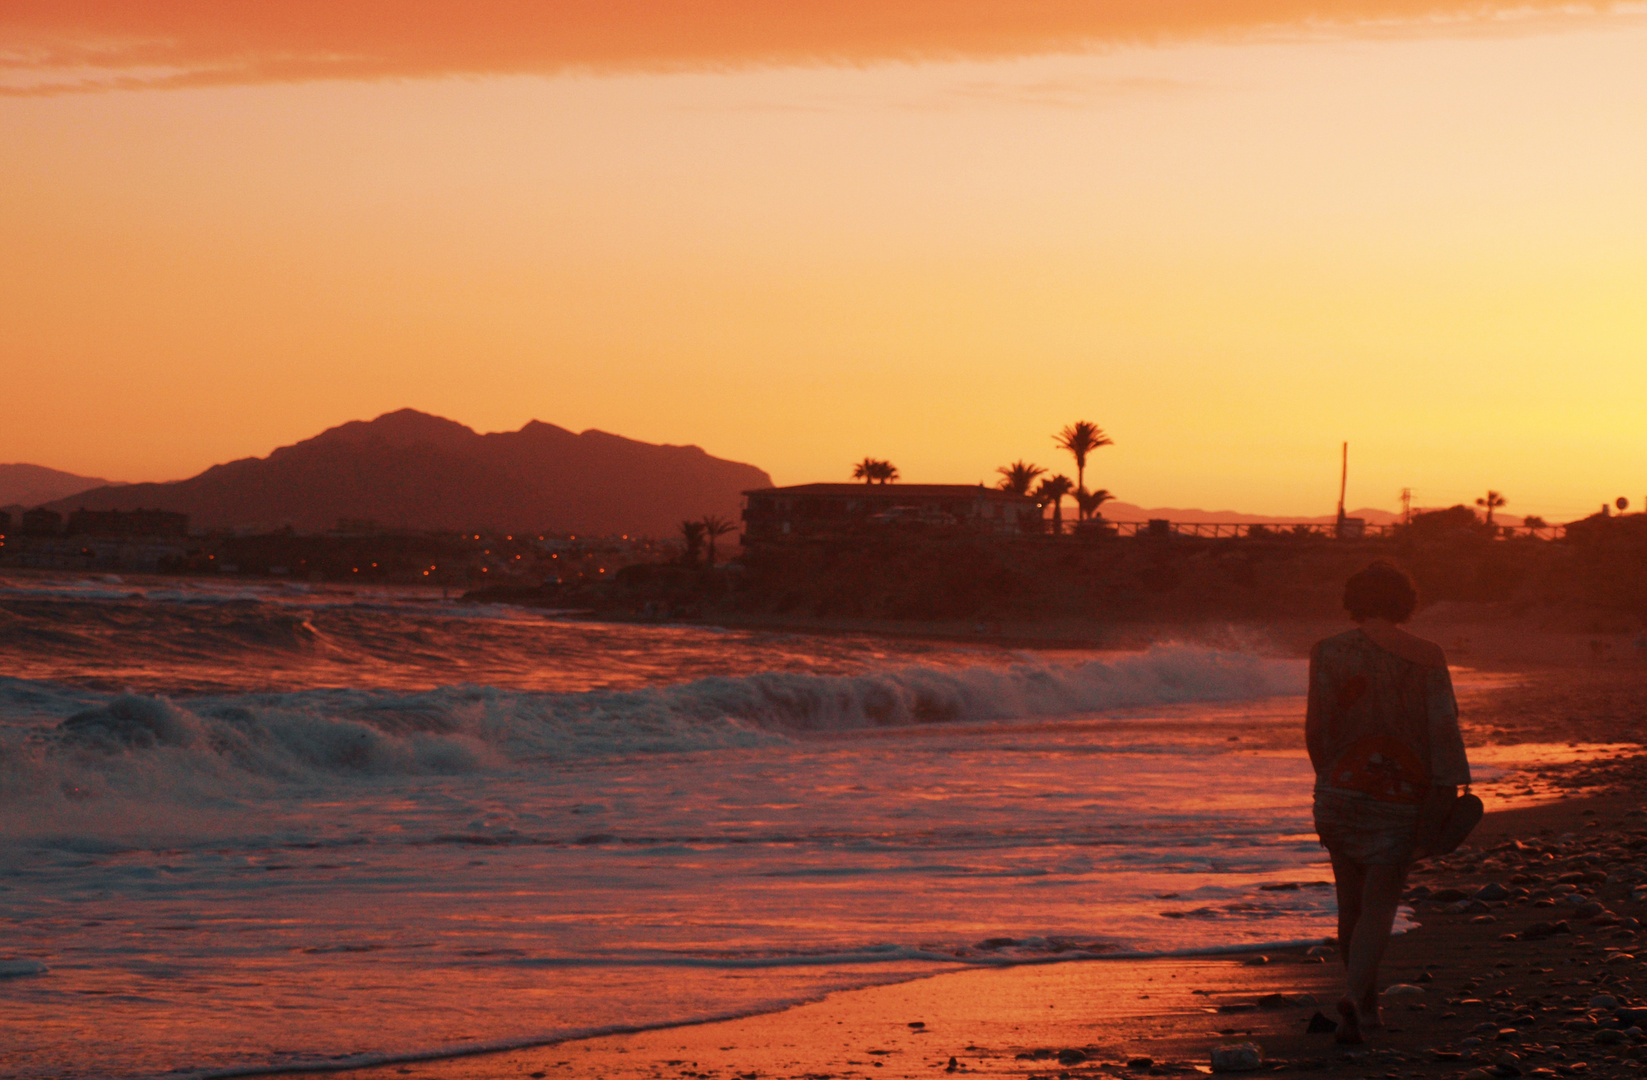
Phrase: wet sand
[1510,981]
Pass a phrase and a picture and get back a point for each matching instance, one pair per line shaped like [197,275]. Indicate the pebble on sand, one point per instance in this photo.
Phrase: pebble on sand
[1404,990]
[1321,1024]
[1237,1057]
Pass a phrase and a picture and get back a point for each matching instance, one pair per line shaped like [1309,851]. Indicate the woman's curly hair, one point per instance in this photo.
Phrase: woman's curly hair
[1380,591]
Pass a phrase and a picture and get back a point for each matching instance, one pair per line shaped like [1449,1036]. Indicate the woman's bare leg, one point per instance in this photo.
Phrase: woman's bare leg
[1350,879]
[1380,896]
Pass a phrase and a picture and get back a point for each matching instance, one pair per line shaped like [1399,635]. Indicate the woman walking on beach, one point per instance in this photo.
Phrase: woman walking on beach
[1382,729]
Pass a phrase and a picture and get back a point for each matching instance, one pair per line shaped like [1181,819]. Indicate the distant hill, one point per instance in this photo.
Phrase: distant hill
[32,485]
[1120,511]
[410,470]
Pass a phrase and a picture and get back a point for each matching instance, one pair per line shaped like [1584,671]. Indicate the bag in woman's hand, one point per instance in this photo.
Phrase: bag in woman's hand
[1457,820]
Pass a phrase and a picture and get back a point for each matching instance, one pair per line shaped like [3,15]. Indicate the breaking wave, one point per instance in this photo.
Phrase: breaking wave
[67,744]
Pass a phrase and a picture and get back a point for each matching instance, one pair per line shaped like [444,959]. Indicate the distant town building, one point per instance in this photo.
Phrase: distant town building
[127,523]
[41,522]
[5,523]
[774,514]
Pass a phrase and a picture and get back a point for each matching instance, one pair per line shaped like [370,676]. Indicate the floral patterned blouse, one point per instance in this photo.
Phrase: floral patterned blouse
[1381,724]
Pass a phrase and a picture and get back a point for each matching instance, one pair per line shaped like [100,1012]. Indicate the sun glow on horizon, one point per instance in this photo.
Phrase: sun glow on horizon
[1232,252]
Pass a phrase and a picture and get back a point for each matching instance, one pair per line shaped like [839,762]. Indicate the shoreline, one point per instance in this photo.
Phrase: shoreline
[1102,1014]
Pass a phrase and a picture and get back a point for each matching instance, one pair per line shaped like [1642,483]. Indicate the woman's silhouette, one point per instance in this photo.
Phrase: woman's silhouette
[1382,729]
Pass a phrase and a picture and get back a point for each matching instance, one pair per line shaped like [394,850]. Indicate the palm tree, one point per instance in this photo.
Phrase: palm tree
[1051,492]
[692,533]
[1080,439]
[1088,502]
[714,526]
[875,471]
[1492,501]
[1018,476]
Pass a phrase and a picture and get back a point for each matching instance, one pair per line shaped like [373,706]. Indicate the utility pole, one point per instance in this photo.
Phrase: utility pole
[1406,506]
[1343,483]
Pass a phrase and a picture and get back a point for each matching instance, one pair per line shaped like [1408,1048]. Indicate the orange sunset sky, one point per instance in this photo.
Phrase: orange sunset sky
[797,233]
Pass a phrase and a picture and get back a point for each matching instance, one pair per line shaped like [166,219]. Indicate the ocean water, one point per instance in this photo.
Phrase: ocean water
[244,826]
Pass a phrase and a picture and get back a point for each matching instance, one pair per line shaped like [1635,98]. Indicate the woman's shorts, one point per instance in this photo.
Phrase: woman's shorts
[1362,829]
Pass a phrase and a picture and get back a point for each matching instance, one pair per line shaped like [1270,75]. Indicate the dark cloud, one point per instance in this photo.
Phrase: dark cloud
[52,46]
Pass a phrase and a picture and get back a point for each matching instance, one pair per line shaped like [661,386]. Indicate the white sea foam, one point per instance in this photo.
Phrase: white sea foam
[624,825]
[699,713]
[61,748]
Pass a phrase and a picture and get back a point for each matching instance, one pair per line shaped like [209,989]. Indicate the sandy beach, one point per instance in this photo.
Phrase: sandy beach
[1524,949]
[1484,987]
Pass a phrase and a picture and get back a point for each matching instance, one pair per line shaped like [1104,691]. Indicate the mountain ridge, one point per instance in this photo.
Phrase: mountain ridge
[408,469]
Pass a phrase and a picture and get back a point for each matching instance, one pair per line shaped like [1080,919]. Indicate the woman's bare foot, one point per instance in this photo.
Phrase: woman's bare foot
[1367,1013]
[1349,1027]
